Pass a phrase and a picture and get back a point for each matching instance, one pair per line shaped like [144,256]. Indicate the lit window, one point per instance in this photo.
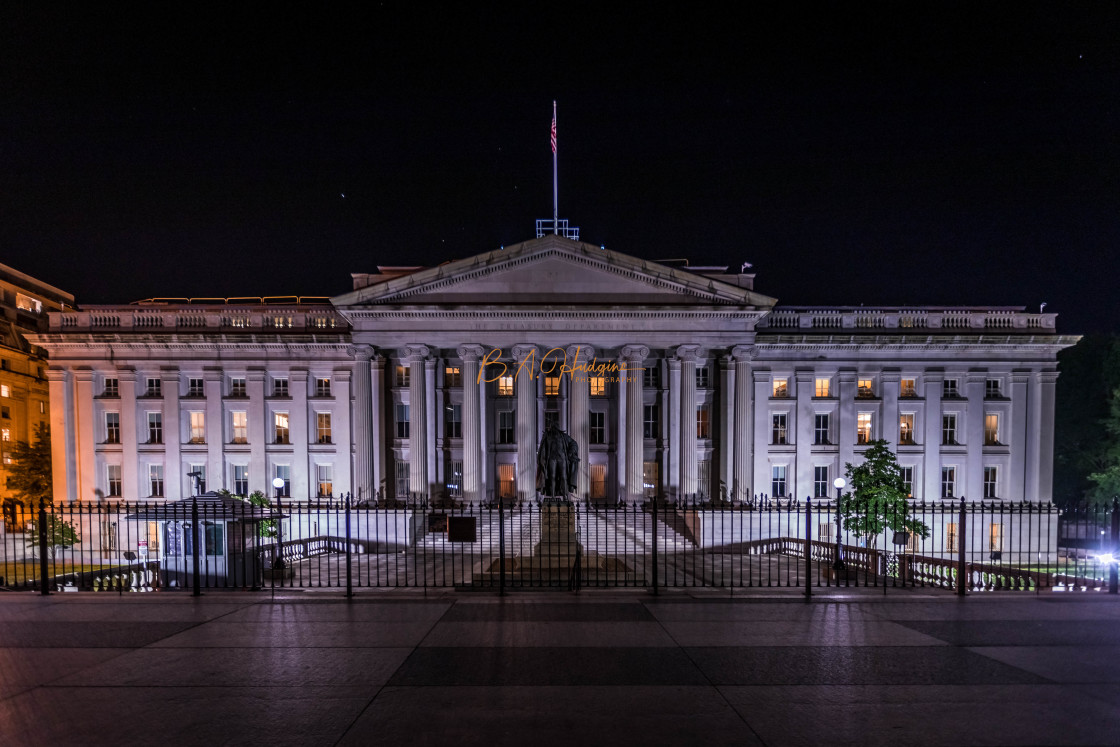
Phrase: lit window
[779,434]
[598,386]
[991,429]
[907,388]
[325,475]
[822,388]
[949,430]
[951,537]
[5,434]
[598,481]
[323,427]
[948,482]
[597,433]
[863,428]
[322,387]
[778,480]
[402,421]
[650,478]
[703,422]
[280,424]
[505,385]
[198,427]
[507,487]
[781,388]
[237,387]
[27,303]
[995,537]
[452,376]
[5,390]
[990,482]
[403,375]
[906,429]
[552,386]
[864,389]
[240,423]
[7,457]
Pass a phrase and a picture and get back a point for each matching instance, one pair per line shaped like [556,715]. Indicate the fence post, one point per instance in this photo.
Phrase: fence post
[43,574]
[808,547]
[961,536]
[349,554]
[195,536]
[655,592]
[501,549]
[1112,570]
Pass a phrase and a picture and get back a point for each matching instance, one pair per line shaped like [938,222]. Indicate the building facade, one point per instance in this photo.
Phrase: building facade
[24,395]
[439,382]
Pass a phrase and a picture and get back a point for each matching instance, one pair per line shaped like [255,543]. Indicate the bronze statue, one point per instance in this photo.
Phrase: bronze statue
[557,463]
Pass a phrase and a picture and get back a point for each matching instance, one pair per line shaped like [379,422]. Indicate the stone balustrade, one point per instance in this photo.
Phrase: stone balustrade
[906,319]
[166,318]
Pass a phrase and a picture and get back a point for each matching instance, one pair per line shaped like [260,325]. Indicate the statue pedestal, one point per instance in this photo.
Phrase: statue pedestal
[559,542]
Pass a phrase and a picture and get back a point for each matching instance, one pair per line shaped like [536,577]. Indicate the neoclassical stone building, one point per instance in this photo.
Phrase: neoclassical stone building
[673,380]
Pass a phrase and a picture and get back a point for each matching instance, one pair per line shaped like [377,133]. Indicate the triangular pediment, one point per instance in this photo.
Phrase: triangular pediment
[554,271]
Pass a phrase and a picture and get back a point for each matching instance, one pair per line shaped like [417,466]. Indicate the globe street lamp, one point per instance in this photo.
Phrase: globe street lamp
[278,562]
[838,563]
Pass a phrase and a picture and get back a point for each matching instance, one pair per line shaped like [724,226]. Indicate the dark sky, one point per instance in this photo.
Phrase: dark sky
[876,154]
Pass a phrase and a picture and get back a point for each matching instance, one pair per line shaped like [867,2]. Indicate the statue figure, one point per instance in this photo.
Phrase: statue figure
[557,462]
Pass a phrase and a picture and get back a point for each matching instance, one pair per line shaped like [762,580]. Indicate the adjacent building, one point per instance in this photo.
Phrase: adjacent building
[674,381]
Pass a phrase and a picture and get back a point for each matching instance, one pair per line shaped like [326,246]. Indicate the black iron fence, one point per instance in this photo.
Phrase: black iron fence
[189,546]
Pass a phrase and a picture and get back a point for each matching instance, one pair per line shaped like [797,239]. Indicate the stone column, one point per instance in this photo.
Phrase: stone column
[762,390]
[888,393]
[932,441]
[172,435]
[363,421]
[343,436]
[973,477]
[634,356]
[1031,486]
[800,473]
[688,355]
[130,433]
[434,419]
[1018,440]
[1048,381]
[63,455]
[417,421]
[212,377]
[743,434]
[673,479]
[525,381]
[579,414]
[472,431]
[260,431]
[299,417]
[725,420]
[377,426]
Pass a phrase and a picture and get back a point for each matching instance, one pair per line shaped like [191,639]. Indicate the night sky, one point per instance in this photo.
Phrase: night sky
[864,154]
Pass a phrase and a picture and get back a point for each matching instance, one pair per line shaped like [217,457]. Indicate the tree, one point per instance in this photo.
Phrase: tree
[1090,373]
[265,527]
[60,533]
[877,499]
[1106,481]
[30,474]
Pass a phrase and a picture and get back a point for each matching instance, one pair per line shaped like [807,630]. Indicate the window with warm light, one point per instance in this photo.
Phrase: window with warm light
[865,389]
[822,387]
[703,422]
[239,422]
[325,478]
[598,386]
[780,388]
[991,429]
[403,373]
[906,429]
[323,427]
[505,385]
[552,386]
[452,376]
[863,428]
[908,388]
[280,424]
[198,427]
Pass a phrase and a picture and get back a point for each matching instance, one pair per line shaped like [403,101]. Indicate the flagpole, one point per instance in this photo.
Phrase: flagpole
[555,210]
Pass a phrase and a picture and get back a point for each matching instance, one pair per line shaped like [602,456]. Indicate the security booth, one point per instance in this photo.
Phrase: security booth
[228,537]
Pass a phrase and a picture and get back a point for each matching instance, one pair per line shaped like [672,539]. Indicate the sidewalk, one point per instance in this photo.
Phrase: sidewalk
[559,669]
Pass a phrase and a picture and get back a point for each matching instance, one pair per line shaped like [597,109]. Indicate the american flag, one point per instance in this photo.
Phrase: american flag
[553,133]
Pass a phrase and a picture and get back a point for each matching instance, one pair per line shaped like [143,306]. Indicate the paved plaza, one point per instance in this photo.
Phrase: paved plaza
[408,668]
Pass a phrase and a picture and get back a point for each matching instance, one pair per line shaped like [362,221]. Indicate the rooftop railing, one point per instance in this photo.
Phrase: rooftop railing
[907,319]
[218,318]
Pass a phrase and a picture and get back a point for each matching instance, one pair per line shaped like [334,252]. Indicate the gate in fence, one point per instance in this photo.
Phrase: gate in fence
[220,542]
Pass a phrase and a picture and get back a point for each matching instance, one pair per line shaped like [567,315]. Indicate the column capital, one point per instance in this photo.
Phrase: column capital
[523,350]
[378,361]
[1048,377]
[56,373]
[688,353]
[361,352]
[580,349]
[635,352]
[742,353]
[469,353]
[416,352]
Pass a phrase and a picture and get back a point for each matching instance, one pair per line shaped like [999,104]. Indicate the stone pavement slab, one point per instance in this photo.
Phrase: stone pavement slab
[620,668]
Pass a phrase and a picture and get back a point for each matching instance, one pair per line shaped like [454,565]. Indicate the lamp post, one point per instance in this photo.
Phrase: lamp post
[838,563]
[278,561]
